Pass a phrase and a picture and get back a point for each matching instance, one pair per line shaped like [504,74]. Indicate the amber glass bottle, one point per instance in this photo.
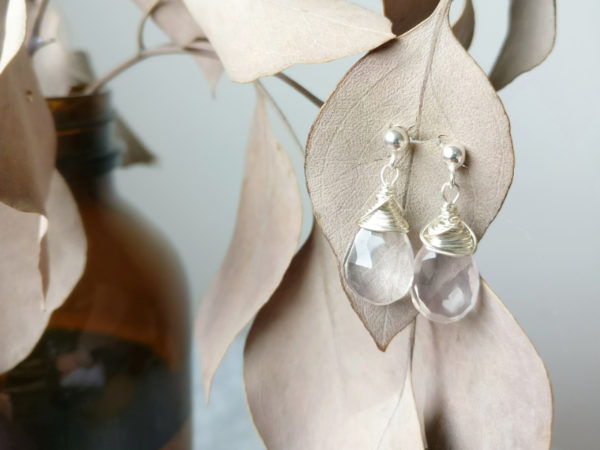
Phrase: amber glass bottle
[112,370]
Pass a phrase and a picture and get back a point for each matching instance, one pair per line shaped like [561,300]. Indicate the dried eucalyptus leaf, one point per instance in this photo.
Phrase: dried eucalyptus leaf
[406,14]
[27,138]
[314,379]
[21,319]
[264,241]
[464,27]
[425,81]
[480,383]
[260,38]
[173,17]
[13,27]
[402,431]
[529,41]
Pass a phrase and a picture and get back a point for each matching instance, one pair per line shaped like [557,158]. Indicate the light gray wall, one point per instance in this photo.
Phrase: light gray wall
[540,255]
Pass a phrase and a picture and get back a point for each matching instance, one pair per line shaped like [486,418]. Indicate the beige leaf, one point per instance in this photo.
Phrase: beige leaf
[21,319]
[405,14]
[173,17]
[13,26]
[135,150]
[530,40]
[27,138]
[443,93]
[314,379]
[464,27]
[264,241]
[480,383]
[401,430]
[263,37]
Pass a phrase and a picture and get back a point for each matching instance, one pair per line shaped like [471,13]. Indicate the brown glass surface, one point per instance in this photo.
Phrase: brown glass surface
[112,369]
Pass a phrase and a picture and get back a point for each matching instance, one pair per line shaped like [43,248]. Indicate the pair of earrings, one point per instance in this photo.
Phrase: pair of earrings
[380,266]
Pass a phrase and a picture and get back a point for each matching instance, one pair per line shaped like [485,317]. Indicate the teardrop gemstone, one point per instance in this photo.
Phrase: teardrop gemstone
[379,266]
[445,288]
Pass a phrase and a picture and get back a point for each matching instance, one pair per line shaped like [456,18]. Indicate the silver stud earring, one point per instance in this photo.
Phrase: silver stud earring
[379,265]
[446,280]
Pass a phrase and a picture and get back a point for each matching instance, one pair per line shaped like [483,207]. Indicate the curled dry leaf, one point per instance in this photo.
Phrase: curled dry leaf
[530,39]
[406,14]
[480,384]
[443,93]
[464,27]
[174,19]
[263,37]
[264,241]
[314,379]
[13,26]
[27,138]
[21,319]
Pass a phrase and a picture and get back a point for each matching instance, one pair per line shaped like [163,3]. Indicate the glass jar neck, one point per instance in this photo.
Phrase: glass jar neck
[87,150]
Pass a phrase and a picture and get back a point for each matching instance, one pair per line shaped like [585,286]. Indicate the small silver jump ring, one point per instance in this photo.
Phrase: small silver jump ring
[446,191]
[395,176]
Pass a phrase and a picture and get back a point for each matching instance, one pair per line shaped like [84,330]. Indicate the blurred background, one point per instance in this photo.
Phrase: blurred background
[540,255]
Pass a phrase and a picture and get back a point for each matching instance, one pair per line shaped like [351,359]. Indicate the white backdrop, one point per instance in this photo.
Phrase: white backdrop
[540,255]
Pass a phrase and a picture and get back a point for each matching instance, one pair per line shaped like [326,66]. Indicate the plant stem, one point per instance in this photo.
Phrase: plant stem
[301,89]
[177,50]
[145,54]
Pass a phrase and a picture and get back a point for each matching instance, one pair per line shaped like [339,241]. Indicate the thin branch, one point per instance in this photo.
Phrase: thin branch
[281,115]
[145,54]
[35,42]
[301,89]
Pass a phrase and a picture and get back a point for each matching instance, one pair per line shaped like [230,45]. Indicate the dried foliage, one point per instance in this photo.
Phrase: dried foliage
[26,138]
[406,14]
[260,38]
[22,321]
[443,93]
[264,241]
[479,383]
[314,377]
[43,242]
[529,40]
[310,366]
[314,380]
[174,19]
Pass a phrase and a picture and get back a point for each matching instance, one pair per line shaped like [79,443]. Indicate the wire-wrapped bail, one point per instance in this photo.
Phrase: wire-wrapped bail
[449,234]
[386,214]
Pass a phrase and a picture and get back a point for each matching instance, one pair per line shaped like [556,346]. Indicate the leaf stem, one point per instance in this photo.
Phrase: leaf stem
[301,89]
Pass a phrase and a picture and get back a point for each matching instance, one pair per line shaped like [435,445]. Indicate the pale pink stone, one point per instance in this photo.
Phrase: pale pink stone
[445,288]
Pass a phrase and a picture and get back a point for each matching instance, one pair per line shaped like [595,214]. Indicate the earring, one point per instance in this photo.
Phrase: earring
[380,262]
[446,280]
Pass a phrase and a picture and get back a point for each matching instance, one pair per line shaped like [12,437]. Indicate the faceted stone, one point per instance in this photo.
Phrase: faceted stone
[445,288]
[380,265]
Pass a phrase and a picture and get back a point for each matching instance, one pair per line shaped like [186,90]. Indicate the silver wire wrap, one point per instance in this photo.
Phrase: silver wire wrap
[448,234]
[387,214]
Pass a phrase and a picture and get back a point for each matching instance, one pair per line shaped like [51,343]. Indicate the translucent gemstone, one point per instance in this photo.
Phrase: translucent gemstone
[380,265]
[445,288]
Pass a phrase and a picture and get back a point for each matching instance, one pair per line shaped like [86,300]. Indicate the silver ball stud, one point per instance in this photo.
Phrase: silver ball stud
[454,155]
[396,138]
